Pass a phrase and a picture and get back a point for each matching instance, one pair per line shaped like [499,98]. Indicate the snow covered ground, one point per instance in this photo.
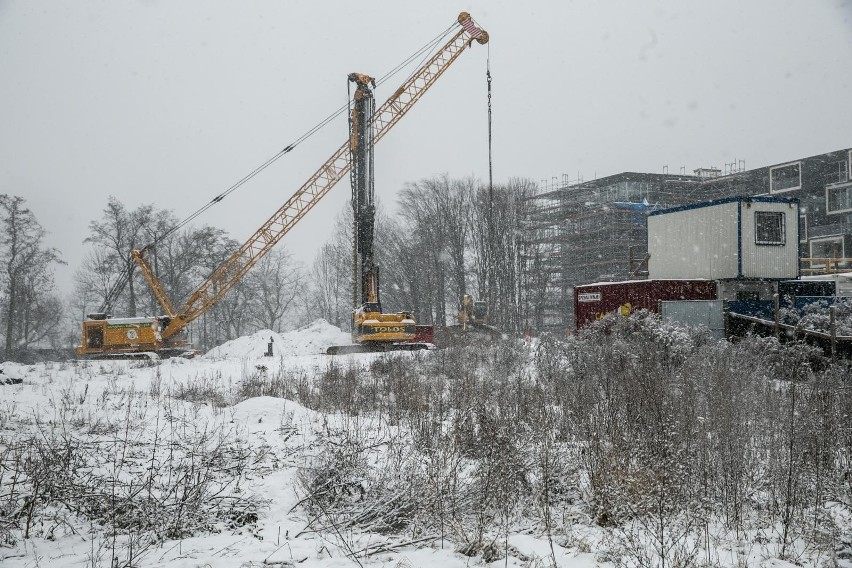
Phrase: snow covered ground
[166,433]
[125,404]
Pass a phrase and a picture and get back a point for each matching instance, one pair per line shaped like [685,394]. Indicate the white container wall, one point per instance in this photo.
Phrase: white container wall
[694,242]
[754,237]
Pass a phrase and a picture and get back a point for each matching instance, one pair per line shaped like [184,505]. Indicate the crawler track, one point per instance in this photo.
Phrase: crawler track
[378,348]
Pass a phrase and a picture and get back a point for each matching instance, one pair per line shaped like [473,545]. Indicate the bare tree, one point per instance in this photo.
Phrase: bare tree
[401,270]
[183,260]
[93,280]
[449,237]
[31,309]
[427,245]
[231,313]
[41,309]
[330,294]
[453,204]
[275,283]
[227,318]
[498,218]
[117,232]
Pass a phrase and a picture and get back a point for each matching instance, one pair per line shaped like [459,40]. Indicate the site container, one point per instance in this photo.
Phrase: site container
[593,301]
[734,238]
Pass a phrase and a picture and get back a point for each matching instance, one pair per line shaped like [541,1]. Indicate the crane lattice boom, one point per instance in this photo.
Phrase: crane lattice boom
[234,268]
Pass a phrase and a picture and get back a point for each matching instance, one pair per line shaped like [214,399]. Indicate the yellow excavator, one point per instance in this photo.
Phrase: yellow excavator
[105,336]
[472,313]
[472,326]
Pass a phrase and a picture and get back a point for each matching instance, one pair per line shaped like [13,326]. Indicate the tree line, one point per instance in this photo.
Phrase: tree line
[448,237]
[29,303]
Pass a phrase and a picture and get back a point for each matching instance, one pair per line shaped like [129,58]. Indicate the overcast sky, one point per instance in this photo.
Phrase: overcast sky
[170,103]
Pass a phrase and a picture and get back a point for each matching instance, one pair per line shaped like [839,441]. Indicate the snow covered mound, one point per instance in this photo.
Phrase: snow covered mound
[267,413]
[12,373]
[312,339]
[248,346]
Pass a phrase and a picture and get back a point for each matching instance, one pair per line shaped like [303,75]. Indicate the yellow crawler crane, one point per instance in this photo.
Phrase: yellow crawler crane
[105,336]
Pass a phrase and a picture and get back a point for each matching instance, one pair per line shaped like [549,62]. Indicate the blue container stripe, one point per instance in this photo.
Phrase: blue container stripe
[754,199]
[740,241]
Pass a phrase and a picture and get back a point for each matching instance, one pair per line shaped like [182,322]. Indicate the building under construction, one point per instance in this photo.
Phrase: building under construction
[581,232]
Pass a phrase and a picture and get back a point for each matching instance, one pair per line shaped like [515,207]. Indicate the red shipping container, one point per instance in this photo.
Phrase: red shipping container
[593,301]
[424,334]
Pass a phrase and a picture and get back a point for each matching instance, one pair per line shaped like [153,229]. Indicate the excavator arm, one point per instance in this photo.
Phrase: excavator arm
[229,273]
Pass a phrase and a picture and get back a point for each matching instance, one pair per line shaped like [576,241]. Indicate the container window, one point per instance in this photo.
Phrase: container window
[768,228]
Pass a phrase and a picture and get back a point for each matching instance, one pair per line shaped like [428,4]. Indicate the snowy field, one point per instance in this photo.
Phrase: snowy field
[186,463]
[127,405]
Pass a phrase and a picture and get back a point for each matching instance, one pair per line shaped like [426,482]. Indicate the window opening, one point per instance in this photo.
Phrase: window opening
[785,178]
[838,199]
[837,172]
[824,250]
[768,228]
[748,295]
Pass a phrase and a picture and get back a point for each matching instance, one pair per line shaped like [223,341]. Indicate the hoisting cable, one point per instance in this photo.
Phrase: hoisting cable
[425,50]
[248,177]
[490,162]
[117,287]
[490,272]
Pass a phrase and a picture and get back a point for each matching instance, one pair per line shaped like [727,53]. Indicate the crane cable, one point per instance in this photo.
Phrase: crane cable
[424,51]
[118,287]
[490,271]
[490,163]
